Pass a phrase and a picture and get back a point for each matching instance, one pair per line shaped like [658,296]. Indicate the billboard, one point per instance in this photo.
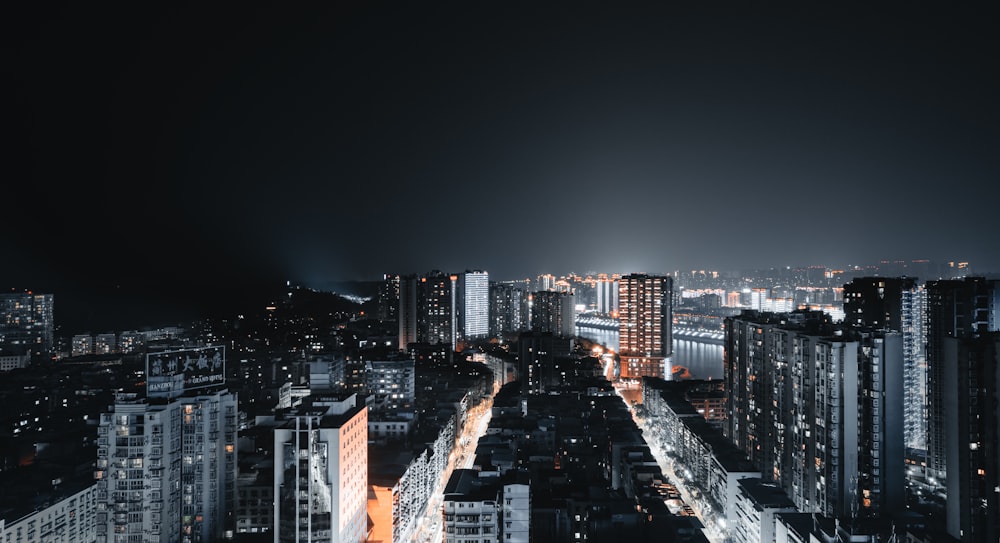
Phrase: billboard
[170,373]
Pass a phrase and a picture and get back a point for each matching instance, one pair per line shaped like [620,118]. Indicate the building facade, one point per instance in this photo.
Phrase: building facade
[487,507]
[166,469]
[428,311]
[645,325]
[554,312]
[956,308]
[896,304]
[27,322]
[756,504]
[388,297]
[819,409]
[71,519]
[392,382]
[473,303]
[606,294]
[321,472]
[508,309]
[972,436]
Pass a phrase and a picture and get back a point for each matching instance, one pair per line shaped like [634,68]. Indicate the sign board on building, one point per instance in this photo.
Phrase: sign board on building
[170,373]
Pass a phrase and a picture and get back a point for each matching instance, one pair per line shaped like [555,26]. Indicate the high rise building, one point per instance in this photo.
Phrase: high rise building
[27,322]
[64,513]
[428,309]
[956,308]
[166,468]
[819,410]
[645,325]
[897,304]
[321,471]
[972,435]
[473,304]
[407,313]
[607,294]
[166,462]
[546,282]
[538,354]
[388,297]
[553,311]
[508,309]
[585,290]
[759,297]
[327,372]
[436,309]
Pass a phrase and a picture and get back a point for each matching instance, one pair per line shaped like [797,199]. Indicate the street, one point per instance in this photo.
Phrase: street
[631,394]
[690,496]
[429,529]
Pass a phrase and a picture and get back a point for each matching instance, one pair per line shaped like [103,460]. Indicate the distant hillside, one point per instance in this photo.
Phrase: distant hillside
[361,289]
[112,308]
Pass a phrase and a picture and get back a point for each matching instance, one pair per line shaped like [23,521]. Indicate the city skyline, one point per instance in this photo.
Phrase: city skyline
[103,307]
[178,149]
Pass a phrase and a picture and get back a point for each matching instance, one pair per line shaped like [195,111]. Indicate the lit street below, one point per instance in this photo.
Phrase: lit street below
[631,394]
[429,529]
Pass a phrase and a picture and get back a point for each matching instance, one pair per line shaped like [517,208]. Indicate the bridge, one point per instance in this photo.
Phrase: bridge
[680,332]
[595,321]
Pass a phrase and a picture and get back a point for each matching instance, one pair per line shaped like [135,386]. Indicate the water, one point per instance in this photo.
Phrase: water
[702,359]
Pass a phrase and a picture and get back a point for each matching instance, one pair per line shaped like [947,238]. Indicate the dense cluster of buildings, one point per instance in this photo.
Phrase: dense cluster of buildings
[837,418]
[864,412]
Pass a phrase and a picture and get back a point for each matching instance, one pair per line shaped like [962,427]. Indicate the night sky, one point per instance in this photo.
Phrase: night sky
[179,145]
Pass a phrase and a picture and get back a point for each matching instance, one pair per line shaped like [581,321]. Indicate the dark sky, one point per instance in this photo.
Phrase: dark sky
[232,143]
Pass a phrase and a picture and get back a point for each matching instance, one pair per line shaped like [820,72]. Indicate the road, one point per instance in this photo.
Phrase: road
[689,496]
[429,528]
[631,394]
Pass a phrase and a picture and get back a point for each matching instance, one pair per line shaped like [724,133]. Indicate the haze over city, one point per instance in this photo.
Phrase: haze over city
[169,148]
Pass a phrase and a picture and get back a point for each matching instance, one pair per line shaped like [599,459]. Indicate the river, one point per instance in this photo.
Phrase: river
[702,359]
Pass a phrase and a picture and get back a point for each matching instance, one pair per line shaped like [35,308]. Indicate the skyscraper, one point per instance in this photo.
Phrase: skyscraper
[972,436]
[166,462]
[897,304]
[388,297]
[538,354]
[473,301]
[607,295]
[321,472]
[645,325]
[962,456]
[428,309]
[546,282]
[407,312]
[166,468]
[956,308]
[819,410]
[508,309]
[436,320]
[553,311]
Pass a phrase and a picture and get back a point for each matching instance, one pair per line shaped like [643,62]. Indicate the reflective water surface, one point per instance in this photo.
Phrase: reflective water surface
[702,359]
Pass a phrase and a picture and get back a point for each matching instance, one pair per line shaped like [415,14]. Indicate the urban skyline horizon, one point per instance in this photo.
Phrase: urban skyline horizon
[102,307]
